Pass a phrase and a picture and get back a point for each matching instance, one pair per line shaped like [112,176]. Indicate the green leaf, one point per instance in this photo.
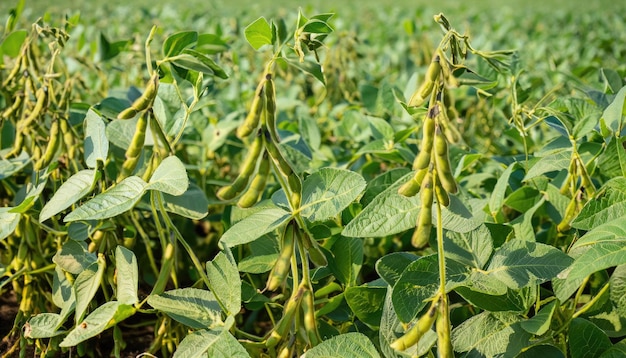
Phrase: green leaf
[8,222]
[613,116]
[112,202]
[609,204]
[346,259]
[255,226]
[120,131]
[520,263]
[419,282]
[226,283]
[380,183]
[499,191]
[263,255]
[12,44]
[258,33]
[490,298]
[389,213]
[586,340]
[168,107]
[472,249]
[312,68]
[490,334]
[96,142]
[523,225]
[542,350]
[351,345]
[617,351]
[199,62]
[391,266]
[108,50]
[193,307]
[328,191]
[13,165]
[43,325]
[550,163]
[73,257]
[227,346]
[176,43]
[540,323]
[86,285]
[170,177]
[612,162]
[192,204]
[127,276]
[72,190]
[196,344]
[103,317]
[366,301]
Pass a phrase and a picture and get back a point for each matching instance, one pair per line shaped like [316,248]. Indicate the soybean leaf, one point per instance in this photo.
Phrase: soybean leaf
[192,204]
[196,344]
[328,191]
[13,165]
[168,107]
[176,43]
[520,263]
[8,222]
[127,275]
[493,300]
[263,255]
[346,259]
[96,142]
[473,248]
[351,345]
[617,351]
[193,307]
[86,285]
[380,183]
[419,282]
[170,177]
[73,257]
[523,225]
[62,291]
[307,66]
[226,283]
[540,323]
[255,226]
[74,188]
[258,33]
[43,325]
[550,163]
[103,317]
[613,116]
[499,191]
[612,162]
[389,213]
[366,301]
[586,340]
[227,346]
[609,204]
[12,43]
[391,266]
[197,61]
[108,50]
[542,350]
[112,202]
[490,334]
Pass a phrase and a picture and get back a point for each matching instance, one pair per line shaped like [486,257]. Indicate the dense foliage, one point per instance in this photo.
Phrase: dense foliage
[300,183]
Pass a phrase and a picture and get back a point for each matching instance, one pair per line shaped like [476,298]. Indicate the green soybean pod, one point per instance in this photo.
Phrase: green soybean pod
[428,133]
[42,97]
[252,120]
[295,185]
[270,108]
[277,157]
[412,187]
[280,271]
[442,161]
[53,145]
[424,220]
[413,335]
[310,323]
[570,214]
[144,101]
[282,327]
[442,326]
[423,92]
[134,149]
[247,168]
[251,195]
[440,193]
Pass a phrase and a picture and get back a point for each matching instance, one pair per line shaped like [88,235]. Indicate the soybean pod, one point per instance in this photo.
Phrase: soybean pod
[270,108]
[53,145]
[280,271]
[442,161]
[247,168]
[282,327]
[251,122]
[251,195]
[428,133]
[136,146]
[442,326]
[413,335]
[424,220]
[412,187]
[423,92]
[277,157]
[310,323]
[570,214]
[440,193]
[144,101]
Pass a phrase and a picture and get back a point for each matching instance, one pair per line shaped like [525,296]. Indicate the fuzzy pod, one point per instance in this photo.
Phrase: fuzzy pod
[144,101]
[254,191]
[280,271]
[413,335]
[252,120]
